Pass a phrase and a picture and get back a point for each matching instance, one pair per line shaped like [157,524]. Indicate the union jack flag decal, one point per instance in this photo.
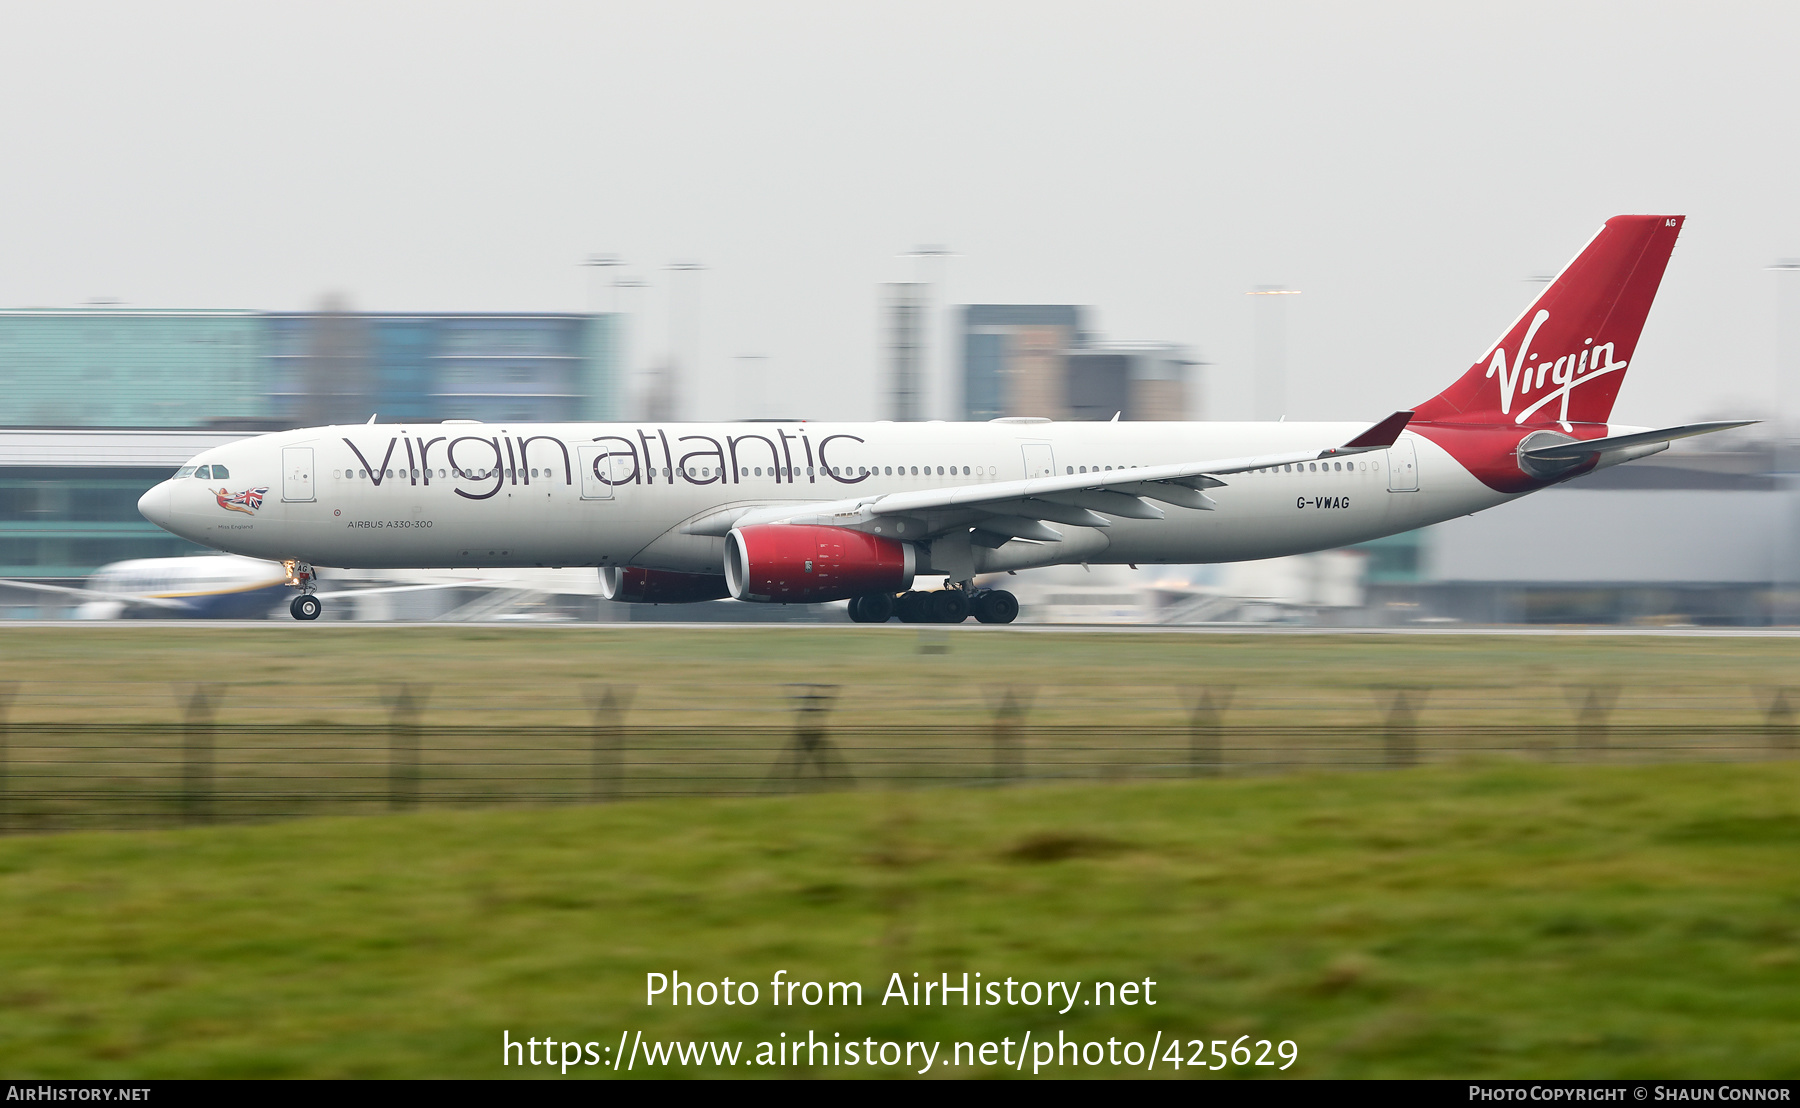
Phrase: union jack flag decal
[247,501]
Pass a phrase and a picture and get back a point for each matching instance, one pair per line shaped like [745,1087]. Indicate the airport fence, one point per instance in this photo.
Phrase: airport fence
[58,774]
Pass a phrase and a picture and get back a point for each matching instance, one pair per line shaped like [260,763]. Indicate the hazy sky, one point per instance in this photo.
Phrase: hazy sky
[1409,167]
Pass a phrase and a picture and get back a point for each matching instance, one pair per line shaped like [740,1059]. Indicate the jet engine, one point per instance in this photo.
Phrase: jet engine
[636,585]
[803,564]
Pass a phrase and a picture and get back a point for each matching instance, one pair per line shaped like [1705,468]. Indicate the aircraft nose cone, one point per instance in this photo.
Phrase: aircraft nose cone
[154,505]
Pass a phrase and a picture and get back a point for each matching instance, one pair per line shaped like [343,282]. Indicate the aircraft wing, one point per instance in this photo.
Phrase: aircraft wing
[1020,509]
[170,604]
[98,594]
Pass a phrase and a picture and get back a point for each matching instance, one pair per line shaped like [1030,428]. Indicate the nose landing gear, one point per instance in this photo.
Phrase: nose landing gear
[301,576]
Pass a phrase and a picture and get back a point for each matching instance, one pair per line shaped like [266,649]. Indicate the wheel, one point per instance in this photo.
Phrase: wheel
[306,606]
[856,612]
[877,607]
[948,606]
[996,606]
[910,607]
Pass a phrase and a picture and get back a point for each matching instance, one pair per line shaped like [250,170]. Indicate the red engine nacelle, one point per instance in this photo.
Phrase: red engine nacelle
[801,564]
[635,585]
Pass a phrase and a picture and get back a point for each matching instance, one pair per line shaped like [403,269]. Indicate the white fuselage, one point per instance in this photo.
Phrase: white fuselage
[482,495]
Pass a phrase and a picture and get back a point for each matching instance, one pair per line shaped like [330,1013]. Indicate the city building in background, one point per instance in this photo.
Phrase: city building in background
[1135,380]
[1041,360]
[111,366]
[903,308]
[1005,366]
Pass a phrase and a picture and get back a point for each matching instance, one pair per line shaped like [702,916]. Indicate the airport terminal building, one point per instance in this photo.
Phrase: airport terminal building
[108,366]
[102,402]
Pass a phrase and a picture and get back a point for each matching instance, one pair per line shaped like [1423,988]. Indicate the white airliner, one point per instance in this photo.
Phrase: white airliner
[798,512]
[207,586]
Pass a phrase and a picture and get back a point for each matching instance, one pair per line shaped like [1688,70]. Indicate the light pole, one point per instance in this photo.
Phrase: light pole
[748,392]
[626,337]
[599,262]
[1781,459]
[1271,350]
[672,384]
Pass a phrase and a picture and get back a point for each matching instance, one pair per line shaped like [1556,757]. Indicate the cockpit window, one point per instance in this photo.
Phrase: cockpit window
[220,473]
[184,471]
[203,471]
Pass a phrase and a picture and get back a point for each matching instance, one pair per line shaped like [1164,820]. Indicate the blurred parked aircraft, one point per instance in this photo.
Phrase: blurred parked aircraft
[214,586]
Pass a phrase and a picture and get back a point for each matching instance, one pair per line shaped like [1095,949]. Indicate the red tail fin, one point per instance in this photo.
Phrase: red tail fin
[1563,360]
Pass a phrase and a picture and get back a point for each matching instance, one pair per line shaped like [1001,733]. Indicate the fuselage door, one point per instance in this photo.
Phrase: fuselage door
[1039,460]
[297,473]
[1403,466]
[601,469]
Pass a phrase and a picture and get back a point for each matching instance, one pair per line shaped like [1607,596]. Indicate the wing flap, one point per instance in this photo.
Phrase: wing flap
[1111,502]
[1173,492]
[1018,527]
[1044,509]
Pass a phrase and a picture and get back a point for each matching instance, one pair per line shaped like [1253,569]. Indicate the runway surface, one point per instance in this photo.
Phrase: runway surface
[294,627]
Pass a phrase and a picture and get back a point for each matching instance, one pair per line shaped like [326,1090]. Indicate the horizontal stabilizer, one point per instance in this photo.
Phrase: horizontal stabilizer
[1584,448]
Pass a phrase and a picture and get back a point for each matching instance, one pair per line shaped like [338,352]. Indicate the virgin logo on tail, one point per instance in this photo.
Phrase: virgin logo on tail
[1581,329]
[1563,374]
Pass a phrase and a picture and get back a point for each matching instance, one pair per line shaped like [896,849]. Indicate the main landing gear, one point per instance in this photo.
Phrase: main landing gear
[300,575]
[952,605]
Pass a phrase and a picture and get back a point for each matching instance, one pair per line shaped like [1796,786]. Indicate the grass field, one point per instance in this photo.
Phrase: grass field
[301,718]
[1495,913]
[1464,921]
[335,674]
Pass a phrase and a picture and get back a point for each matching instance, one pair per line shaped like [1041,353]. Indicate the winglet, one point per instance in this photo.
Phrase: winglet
[1382,435]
